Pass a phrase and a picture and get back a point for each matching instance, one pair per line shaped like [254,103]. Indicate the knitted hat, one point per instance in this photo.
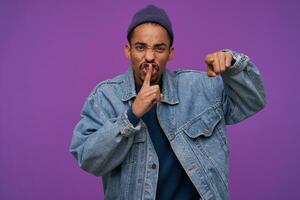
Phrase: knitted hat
[153,14]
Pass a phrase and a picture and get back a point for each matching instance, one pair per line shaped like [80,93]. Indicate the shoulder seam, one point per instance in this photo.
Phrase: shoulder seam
[105,82]
[188,71]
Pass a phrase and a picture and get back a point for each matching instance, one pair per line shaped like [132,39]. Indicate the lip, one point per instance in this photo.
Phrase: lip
[145,66]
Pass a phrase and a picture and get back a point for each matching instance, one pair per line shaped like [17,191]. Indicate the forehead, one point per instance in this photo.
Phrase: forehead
[150,33]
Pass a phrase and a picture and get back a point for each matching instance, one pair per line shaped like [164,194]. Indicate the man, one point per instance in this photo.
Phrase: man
[156,134]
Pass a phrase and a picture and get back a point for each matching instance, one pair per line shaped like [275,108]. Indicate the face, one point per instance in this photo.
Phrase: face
[149,44]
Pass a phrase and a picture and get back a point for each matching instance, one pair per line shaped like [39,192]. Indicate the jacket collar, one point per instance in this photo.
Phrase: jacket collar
[168,87]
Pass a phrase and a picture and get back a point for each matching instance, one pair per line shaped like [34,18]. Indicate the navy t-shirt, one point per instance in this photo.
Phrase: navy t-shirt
[173,182]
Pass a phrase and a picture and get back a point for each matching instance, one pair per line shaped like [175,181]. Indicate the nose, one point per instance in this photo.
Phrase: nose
[149,55]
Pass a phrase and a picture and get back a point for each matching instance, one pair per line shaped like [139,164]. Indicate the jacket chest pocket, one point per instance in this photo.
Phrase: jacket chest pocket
[206,132]
[203,125]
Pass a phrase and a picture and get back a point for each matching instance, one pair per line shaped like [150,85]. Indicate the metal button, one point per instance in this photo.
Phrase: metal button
[171,136]
[191,167]
[153,166]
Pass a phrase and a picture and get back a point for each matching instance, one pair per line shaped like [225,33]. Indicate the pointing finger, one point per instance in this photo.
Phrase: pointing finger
[209,60]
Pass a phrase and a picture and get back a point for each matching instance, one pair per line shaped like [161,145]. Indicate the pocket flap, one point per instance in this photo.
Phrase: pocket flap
[203,124]
[139,137]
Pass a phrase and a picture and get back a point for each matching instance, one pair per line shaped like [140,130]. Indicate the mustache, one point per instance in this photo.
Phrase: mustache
[147,64]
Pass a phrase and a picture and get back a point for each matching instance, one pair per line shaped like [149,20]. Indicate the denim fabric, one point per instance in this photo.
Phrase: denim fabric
[192,114]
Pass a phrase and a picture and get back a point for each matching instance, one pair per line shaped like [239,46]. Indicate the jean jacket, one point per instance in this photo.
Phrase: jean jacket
[193,114]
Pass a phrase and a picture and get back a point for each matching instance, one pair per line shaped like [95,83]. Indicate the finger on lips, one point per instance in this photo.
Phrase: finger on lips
[151,91]
[148,76]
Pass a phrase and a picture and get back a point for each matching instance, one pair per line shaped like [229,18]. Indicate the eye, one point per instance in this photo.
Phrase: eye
[160,49]
[140,47]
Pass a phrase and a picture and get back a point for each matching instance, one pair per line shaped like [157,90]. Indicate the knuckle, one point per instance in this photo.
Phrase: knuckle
[227,53]
[209,58]
[228,56]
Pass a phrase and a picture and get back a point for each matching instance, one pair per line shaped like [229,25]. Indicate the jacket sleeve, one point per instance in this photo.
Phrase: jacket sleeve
[101,142]
[243,93]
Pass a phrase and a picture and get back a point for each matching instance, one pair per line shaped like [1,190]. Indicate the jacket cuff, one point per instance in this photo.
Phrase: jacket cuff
[132,117]
[240,62]
[127,128]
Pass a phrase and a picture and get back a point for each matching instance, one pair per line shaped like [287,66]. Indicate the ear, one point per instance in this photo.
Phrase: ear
[127,51]
[171,53]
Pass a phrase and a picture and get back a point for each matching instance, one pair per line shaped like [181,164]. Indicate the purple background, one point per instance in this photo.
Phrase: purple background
[53,53]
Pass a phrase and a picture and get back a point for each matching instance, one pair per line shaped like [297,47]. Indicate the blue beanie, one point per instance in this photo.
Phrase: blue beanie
[152,14]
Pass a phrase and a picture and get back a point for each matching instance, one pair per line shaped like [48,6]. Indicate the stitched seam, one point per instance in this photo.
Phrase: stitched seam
[202,166]
[189,123]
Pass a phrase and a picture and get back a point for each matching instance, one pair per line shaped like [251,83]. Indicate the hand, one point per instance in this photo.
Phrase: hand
[147,96]
[218,62]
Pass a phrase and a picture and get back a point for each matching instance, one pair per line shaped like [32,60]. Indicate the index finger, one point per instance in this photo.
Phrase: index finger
[148,77]
[209,60]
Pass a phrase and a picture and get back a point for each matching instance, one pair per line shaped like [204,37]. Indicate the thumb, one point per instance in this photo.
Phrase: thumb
[211,73]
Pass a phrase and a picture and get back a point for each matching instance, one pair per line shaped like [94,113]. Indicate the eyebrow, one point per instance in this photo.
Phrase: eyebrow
[142,43]
[160,44]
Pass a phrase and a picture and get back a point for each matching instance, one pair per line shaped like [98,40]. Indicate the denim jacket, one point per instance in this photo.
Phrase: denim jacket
[192,114]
